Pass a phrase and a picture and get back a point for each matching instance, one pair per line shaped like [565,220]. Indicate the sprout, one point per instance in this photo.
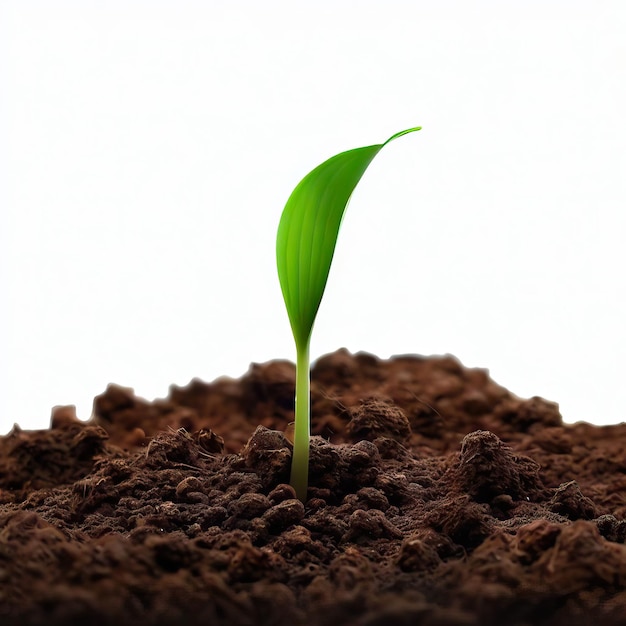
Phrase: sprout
[305,245]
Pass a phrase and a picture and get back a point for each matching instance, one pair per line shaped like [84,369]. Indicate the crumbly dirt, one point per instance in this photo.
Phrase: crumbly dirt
[436,498]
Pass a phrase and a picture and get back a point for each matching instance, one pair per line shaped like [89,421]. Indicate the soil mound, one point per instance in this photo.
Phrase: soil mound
[436,498]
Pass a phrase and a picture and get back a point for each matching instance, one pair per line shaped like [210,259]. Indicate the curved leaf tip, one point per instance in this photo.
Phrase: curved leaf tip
[401,133]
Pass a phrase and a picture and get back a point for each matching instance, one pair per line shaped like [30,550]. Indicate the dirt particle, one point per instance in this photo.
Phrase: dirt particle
[378,418]
[188,485]
[488,468]
[475,403]
[554,440]
[394,485]
[209,441]
[249,563]
[282,492]
[270,382]
[63,416]
[269,453]
[532,540]
[324,522]
[249,505]
[350,569]
[391,449]
[370,524]
[284,514]
[522,415]
[371,498]
[212,516]
[417,556]
[171,552]
[37,459]
[324,465]
[330,368]
[569,501]
[467,523]
[611,528]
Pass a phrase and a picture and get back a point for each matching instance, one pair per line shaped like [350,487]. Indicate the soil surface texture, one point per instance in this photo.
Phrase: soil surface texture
[436,498]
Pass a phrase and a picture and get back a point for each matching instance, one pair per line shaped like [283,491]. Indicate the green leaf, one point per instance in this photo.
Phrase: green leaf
[308,231]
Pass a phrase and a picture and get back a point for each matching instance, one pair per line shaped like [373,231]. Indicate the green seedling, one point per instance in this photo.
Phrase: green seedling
[305,244]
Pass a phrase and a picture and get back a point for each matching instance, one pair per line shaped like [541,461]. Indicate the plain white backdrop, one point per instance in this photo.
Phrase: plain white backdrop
[148,148]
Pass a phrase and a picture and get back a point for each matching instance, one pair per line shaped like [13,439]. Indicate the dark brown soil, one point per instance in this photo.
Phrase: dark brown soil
[436,497]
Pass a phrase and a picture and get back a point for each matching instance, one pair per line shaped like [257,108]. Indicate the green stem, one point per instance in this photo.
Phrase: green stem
[300,459]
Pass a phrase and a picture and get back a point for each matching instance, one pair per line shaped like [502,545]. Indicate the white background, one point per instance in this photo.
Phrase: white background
[148,149]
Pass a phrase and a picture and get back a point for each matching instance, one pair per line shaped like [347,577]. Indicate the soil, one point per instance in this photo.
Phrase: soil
[436,498]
